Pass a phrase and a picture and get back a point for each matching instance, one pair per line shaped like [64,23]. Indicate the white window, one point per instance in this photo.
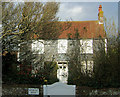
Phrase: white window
[38,47]
[87,65]
[62,46]
[18,54]
[86,46]
[105,45]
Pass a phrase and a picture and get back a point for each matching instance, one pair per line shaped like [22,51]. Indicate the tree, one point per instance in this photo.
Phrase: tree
[107,65]
[9,37]
[10,19]
[77,74]
[24,23]
[21,22]
[39,19]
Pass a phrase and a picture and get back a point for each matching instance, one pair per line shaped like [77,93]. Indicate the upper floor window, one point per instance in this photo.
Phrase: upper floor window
[38,47]
[105,45]
[86,46]
[62,46]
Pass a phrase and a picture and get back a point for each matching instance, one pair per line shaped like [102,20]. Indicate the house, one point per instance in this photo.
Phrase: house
[89,35]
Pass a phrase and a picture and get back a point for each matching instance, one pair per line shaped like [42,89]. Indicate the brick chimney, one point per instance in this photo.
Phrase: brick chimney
[100,15]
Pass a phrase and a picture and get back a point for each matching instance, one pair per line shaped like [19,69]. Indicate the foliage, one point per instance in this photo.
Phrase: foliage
[50,72]
[107,66]
[10,19]
[106,70]
[24,22]
[75,61]
[9,67]
[39,19]
[12,75]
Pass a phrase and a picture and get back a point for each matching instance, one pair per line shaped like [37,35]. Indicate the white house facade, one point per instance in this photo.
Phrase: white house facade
[91,34]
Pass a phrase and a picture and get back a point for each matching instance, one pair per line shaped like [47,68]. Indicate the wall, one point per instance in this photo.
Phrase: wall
[22,91]
[91,46]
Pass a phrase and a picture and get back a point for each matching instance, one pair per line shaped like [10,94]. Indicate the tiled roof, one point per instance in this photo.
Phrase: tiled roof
[86,29]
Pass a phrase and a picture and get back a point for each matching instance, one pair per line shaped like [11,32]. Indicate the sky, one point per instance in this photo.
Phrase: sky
[86,11]
[82,10]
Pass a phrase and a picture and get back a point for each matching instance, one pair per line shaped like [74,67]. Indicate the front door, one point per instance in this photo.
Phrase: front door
[62,72]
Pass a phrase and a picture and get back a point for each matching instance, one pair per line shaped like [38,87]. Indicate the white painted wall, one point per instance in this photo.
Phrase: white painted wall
[86,46]
[59,88]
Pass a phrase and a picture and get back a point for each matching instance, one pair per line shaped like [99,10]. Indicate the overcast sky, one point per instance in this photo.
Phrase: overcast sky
[84,11]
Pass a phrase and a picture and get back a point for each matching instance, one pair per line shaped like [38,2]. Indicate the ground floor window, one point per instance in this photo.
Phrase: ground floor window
[87,66]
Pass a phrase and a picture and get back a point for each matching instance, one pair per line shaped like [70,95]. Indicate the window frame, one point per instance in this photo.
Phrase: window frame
[86,47]
[62,49]
[38,46]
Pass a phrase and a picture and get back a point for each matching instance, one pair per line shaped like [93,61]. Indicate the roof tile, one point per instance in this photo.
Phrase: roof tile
[86,29]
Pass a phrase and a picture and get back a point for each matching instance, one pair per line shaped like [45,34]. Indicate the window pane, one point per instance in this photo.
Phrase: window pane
[87,65]
[86,46]
[106,45]
[62,46]
[38,47]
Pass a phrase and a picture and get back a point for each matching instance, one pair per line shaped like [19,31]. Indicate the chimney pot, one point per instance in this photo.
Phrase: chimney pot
[100,8]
